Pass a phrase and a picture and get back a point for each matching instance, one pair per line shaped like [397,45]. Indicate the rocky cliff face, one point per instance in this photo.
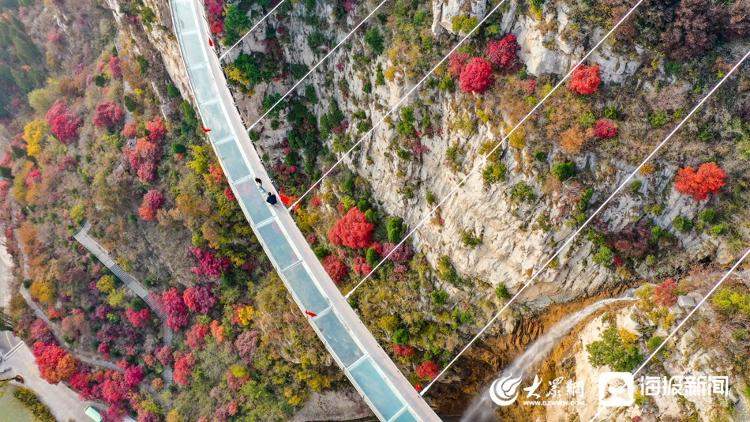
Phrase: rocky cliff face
[513,245]
[158,36]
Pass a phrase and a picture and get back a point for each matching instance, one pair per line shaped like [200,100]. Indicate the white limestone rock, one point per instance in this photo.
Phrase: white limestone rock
[443,12]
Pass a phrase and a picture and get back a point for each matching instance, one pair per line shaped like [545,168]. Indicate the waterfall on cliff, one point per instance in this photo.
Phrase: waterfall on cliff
[482,407]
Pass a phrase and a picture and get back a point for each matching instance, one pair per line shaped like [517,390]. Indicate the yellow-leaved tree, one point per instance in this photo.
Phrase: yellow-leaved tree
[33,133]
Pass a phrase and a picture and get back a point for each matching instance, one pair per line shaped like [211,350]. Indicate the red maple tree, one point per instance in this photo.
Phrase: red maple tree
[665,294]
[209,264]
[153,200]
[143,158]
[81,382]
[112,390]
[605,129]
[55,363]
[585,80]
[502,53]
[156,129]
[335,268]
[709,178]
[427,370]
[164,355]
[108,115]
[246,344]
[403,350]
[196,334]
[62,122]
[476,76]
[115,68]
[456,63]
[174,306]
[199,299]
[130,130]
[183,368]
[361,267]
[353,230]
[229,194]
[133,376]
[138,318]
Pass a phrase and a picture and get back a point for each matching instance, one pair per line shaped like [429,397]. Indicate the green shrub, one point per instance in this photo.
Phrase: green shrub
[470,239]
[405,125]
[439,297]
[330,120]
[269,102]
[371,216]
[310,94]
[719,229]
[587,119]
[446,271]
[611,350]
[29,399]
[321,251]
[730,301]
[611,112]
[431,198]
[394,228]
[100,80]
[501,291]
[654,342]
[315,40]
[178,148]
[708,216]
[374,40]
[236,23]
[635,186]
[604,256]
[493,173]
[682,224]
[172,91]
[347,185]
[298,70]
[454,156]
[522,192]
[371,255]
[130,103]
[463,23]
[143,64]
[658,119]
[564,171]
[401,336]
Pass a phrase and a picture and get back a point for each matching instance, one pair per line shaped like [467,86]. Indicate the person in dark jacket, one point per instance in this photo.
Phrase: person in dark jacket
[271,199]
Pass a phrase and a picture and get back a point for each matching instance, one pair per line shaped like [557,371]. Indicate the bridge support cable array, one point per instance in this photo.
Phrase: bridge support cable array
[488,154]
[578,231]
[397,106]
[377,379]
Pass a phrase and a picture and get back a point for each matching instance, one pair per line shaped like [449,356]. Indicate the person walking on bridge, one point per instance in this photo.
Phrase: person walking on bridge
[259,184]
[271,199]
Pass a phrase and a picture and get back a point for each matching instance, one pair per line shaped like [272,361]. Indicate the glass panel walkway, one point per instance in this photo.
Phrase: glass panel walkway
[385,389]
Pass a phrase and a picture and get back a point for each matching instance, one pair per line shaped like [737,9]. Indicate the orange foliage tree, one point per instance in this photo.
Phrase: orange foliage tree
[709,178]
[55,364]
